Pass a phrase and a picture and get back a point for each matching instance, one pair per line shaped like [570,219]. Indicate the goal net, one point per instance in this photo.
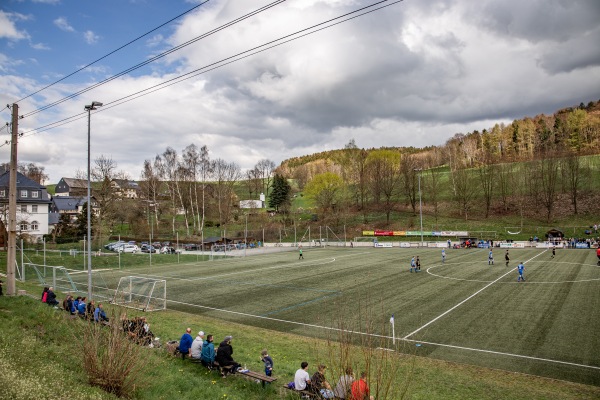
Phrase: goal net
[144,294]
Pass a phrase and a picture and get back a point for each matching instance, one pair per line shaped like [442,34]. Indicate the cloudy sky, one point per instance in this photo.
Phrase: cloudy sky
[413,73]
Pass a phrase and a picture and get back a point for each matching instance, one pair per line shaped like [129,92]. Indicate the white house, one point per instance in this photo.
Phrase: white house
[33,202]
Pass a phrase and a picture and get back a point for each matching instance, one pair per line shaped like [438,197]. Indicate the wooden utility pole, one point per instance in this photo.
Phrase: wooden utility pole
[11,257]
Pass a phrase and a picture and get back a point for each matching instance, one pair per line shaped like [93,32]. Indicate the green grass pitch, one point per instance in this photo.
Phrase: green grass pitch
[464,311]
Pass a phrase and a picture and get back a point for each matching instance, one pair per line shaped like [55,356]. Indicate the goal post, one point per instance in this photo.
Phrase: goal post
[140,293]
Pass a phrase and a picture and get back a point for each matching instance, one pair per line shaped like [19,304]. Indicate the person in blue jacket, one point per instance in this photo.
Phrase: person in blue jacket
[185,343]
[207,357]
[520,269]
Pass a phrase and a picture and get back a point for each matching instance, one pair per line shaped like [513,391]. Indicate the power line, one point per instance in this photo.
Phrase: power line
[114,51]
[152,59]
[223,62]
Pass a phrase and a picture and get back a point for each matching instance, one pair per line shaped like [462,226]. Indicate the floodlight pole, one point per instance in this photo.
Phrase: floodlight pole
[89,109]
[246,236]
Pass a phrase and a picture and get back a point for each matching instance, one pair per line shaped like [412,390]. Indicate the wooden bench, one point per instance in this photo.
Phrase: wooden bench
[304,394]
[257,376]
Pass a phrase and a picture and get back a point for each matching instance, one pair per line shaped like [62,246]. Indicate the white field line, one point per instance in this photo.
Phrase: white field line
[287,266]
[467,299]
[548,360]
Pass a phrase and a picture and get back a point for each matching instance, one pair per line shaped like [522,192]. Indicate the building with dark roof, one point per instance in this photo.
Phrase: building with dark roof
[33,204]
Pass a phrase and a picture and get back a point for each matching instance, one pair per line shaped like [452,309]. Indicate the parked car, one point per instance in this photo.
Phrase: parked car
[129,248]
[146,248]
[190,246]
[115,245]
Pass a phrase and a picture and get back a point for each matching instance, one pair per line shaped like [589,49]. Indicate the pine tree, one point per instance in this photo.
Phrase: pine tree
[280,194]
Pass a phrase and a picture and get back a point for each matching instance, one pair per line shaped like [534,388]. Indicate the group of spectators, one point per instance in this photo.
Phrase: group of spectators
[78,306]
[346,388]
[221,358]
[203,349]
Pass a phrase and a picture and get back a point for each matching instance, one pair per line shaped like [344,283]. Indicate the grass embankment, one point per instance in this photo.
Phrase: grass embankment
[40,358]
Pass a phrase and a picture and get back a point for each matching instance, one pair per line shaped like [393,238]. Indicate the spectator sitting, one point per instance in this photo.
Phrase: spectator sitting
[51,297]
[196,349]
[342,389]
[45,294]
[208,352]
[81,307]
[360,388]
[70,306]
[99,314]
[76,302]
[225,356]
[301,378]
[185,343]
[89,310]
[320,384]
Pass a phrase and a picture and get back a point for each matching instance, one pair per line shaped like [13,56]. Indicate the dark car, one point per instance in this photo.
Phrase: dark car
[146,248]
[190,246]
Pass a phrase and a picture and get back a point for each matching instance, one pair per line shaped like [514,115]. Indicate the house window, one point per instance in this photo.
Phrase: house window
[24,226]
[23,208]
[2,193]
[34,208]
[35,194]
[35,226]
[24,194]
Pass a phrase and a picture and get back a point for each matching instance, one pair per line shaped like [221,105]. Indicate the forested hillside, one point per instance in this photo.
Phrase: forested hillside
[540,166]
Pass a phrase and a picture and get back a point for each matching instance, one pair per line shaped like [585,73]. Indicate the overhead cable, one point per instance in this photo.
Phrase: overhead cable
[152,59]
[114,51]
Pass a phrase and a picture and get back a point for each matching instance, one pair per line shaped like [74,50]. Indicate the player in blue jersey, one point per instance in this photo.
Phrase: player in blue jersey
[443,256]
[520,269]
[413,266]
[490,258]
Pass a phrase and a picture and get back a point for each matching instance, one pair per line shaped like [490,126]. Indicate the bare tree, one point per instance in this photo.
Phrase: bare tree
[225,176]
[150,187]
[408,165]
[264,169]
[547,179]
[386,164]
[573,173]
[464,190]
[105,191]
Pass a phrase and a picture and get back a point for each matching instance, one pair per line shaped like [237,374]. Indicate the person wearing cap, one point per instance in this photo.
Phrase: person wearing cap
[196,349]
[225,356]
[185,343]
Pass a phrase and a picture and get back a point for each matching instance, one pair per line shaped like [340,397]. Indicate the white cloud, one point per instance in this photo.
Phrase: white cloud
[90,37]
[155,40]
[8,28]
[63,24]
[46,1]
[413,74]
[39,46]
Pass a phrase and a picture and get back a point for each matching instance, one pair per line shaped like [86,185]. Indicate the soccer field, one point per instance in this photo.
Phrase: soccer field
[464,310]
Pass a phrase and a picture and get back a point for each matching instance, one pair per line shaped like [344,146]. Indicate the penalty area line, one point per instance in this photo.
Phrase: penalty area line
[548,360]
[465,300]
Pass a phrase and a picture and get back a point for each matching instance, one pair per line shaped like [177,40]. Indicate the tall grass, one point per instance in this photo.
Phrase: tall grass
[111,360]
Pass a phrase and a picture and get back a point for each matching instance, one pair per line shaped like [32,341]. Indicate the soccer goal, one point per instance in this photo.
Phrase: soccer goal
[140,293]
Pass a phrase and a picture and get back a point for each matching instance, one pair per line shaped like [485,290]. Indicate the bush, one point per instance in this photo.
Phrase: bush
[110,360]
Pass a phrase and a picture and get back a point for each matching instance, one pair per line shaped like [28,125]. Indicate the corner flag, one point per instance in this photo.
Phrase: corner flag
[393,330]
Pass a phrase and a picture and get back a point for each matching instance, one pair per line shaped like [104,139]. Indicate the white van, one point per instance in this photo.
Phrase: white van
[129,248]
